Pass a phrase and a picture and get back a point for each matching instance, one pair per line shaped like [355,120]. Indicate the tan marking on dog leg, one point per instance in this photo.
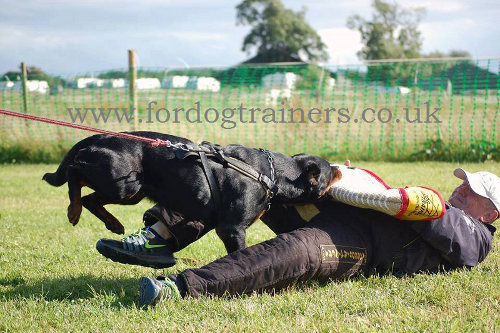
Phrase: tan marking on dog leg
[75,206]
[95,204]
[337,175]
[258,216]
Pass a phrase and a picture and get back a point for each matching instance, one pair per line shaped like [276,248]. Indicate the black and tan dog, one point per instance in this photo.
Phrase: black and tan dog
[123,171]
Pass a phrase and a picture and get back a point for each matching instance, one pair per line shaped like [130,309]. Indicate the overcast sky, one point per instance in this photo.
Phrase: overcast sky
[65,37]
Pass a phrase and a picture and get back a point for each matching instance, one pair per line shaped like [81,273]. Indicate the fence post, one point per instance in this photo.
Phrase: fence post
[132,75]
[24,78]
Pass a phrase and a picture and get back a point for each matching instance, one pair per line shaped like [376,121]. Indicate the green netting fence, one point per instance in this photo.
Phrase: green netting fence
[386,110]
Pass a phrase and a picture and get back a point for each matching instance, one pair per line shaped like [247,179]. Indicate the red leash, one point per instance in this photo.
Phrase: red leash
[153,142]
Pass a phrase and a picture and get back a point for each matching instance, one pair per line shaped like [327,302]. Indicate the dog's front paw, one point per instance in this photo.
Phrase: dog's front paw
[116,228]
[74,213]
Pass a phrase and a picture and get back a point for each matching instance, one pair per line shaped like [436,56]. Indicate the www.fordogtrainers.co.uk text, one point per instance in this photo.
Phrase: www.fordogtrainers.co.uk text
[229,117]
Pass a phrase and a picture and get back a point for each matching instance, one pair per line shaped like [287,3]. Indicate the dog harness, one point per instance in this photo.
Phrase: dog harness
[215,151]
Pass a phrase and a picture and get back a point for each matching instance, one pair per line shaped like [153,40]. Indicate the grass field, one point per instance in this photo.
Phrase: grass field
[53,279]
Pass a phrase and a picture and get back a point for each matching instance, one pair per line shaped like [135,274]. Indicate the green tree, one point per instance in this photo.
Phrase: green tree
[440,70]
[392,33]
[451,54]
[278,34]
[33,73]
[457,72]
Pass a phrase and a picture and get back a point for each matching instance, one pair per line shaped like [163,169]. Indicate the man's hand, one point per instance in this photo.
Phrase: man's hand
[347,163]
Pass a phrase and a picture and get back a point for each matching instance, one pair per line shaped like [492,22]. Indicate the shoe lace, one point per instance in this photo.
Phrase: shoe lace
[169,290]
[136,233]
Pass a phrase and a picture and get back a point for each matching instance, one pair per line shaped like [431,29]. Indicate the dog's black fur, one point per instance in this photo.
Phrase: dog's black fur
[124,171]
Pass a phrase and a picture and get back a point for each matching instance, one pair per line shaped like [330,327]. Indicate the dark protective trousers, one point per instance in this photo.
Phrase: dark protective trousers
[323,250]
[184,230]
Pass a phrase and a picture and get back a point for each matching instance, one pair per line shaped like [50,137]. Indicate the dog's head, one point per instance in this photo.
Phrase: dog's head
[309,179]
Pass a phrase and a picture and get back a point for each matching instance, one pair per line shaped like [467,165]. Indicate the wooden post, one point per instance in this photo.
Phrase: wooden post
[132,75]
[24,77]
[320,89]
[415,86]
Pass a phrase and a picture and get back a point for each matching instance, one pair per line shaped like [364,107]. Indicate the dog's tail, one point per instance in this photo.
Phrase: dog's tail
[58,178]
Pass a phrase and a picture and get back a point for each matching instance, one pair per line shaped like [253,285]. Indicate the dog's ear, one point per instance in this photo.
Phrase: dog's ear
[313,172]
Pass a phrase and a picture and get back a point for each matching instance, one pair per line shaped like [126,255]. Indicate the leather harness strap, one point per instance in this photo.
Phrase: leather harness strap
[214,189]
[270,187]
[268,184]
[208,149]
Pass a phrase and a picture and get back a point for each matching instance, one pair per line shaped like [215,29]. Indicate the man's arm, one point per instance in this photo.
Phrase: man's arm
[462,240]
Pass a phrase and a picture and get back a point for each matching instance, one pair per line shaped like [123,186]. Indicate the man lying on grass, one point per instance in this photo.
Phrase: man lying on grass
[340,241]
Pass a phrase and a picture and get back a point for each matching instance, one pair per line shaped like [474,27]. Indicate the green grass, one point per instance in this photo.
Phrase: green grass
[53,279]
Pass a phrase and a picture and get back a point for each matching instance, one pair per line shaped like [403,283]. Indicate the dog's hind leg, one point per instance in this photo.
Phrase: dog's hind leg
[95,202]
[75,184]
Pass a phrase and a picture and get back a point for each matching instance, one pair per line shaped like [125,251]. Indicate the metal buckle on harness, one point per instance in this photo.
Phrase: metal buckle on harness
[183,146]
[269,191]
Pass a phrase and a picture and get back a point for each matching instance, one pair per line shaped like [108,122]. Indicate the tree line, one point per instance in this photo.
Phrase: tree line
[279,34]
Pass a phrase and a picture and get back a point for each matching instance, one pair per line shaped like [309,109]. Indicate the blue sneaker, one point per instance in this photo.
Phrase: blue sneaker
[141,248]
[152,291]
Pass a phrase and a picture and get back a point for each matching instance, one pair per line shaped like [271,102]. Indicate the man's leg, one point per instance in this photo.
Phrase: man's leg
[165,232]
[324,250]
[175,227]
[170,231]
